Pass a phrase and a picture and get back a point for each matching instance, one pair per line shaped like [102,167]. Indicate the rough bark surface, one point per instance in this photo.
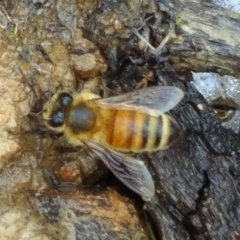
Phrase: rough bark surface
[60,43]
[197,188]
[197,179]
[207,37]
[89,214]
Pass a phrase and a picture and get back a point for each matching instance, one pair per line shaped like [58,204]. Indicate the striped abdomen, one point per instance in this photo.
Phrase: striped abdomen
[136,131]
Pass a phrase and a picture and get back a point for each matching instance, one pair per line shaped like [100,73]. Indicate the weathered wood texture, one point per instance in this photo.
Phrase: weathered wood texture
[207,38]
[197,179]
[198,196]
[89,214]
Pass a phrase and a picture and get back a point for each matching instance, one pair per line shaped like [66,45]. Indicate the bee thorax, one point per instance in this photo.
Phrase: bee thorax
[81,118]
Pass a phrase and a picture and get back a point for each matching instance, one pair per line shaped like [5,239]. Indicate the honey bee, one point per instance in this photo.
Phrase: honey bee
[110,127]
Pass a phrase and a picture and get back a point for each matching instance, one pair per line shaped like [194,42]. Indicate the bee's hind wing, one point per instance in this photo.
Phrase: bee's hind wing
[153,100]
[130,171]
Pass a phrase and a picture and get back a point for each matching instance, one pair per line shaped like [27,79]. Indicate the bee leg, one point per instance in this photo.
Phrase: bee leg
[104,88]
[144,82]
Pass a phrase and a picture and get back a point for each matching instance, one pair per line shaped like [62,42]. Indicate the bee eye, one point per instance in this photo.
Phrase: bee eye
[65,99]
[57,119]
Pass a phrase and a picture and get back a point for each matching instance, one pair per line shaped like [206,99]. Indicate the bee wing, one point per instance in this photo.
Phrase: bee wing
[153,100]
[130,171]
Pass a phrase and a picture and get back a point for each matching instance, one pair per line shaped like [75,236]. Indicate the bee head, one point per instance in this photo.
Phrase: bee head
[54,114]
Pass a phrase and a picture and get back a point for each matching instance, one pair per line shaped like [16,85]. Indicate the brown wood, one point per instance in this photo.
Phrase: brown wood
[197,179]
[89,214]
[207,37]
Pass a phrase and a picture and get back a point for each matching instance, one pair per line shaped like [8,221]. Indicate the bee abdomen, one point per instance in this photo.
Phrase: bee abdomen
[164,132]
[125,130]
[136,131]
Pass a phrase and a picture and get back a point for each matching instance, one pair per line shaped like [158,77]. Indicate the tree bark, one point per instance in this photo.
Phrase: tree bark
[197,179]
[89,214]
[207,37]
